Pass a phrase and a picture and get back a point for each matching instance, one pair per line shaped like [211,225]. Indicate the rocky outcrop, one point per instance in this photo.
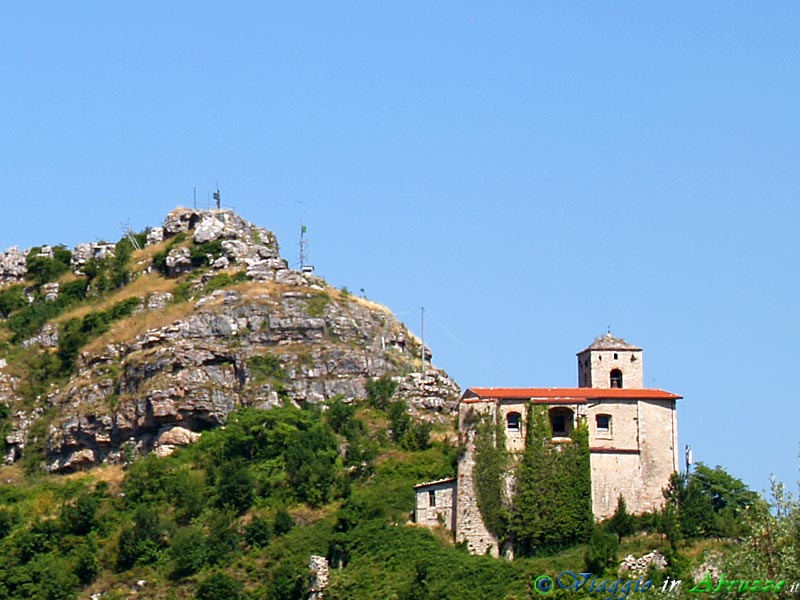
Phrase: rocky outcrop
[318,565]
[13,267]
[279,337]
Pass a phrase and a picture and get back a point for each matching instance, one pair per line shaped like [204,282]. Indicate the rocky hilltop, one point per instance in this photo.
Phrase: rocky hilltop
[108,349]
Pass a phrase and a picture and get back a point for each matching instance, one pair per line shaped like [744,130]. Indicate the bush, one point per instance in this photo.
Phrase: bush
[380,391]
[188,552]
[42,269]
[283,522]
[141,542]
[11,299]
[199,253]
[235,487]
[258,533]
[265,367]
[78,518]
[86,564]
[601,553]
[220,586]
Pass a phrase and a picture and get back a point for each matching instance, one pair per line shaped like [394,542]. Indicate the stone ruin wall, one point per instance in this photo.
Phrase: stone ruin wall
[469,523]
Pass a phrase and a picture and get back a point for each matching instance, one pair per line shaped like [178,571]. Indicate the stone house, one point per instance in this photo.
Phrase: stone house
[436,503]
[633,435]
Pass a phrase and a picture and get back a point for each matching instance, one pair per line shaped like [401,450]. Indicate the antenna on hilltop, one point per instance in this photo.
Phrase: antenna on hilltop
[422,330]
[127,232]
[304,268]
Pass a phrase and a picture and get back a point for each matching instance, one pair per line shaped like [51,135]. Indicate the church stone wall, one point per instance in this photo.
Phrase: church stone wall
[638,460]
[614,474]
[659,443]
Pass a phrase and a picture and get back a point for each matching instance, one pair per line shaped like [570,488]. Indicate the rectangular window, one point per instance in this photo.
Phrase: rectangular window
[559,423]
[431,498]
[603,423]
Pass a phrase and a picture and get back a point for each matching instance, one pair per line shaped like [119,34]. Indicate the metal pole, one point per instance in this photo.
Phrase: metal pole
[422,352]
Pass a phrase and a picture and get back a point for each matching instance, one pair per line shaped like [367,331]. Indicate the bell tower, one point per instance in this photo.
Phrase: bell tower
[611,362]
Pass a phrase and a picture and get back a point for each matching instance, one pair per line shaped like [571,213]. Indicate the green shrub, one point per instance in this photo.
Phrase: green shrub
[317,304]
[283,522]
[11,299]
[141,542]
[266,367]
[188,551]
[235,487]
[78,517]
[199,253]
[220,586]
[221,280]
[258,533]
[601,552]
[44,270]
[380,391]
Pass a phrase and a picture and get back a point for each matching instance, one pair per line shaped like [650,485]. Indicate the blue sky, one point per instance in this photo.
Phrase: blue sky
[531,173]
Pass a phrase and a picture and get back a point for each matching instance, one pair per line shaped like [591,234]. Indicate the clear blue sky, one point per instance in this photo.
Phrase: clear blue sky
[530,172]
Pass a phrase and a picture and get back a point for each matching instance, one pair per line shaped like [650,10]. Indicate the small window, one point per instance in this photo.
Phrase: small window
[512,421]
[616,356]
[603,423]
[616,378]
[561,421]
[432,498]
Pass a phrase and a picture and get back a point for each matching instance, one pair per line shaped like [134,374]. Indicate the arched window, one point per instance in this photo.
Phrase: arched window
[616,378]
[561,421]
[512,421]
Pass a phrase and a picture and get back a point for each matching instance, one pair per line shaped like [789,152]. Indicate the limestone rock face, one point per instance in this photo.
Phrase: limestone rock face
[279,337]
[12,266]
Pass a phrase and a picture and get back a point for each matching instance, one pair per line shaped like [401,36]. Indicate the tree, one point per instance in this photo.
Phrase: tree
[141,542]
[621,523]
[533,511]
[220,586]
[188,551]
[258,533]
[771,547]
[78,518]
[489,474]
[283,522]
[235,487]
[552,506]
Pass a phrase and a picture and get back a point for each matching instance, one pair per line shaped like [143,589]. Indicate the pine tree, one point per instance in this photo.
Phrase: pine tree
[621,522]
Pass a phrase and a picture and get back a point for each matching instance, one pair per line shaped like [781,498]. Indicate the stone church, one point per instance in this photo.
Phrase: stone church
[633,439]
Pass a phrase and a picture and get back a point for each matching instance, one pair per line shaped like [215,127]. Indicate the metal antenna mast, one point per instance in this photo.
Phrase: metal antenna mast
[304,266]
[303,246]
[422,330]
[129,233]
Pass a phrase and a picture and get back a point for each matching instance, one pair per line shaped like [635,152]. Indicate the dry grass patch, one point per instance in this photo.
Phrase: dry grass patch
[304,515]
[111,474]
[127,329]
[12,474]
[140,287]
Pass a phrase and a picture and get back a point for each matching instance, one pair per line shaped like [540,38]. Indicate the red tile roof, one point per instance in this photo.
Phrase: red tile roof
[570,395]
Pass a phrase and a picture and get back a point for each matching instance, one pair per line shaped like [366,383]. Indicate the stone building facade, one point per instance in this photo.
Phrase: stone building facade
[436,503]
[633,434]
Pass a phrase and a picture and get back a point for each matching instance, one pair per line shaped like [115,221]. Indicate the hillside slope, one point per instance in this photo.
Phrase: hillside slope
[112,349]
